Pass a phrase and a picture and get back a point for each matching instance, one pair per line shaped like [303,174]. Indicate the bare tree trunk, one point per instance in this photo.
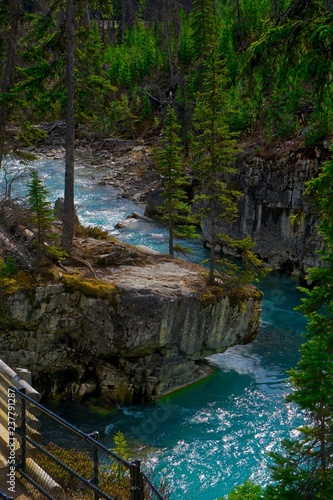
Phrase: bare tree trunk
[14,8]
[212,257]
[69,208]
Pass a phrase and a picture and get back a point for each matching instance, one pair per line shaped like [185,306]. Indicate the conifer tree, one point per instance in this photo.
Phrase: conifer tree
[42,214]
[214,151]
[203,22]
[305,470]
[214,148]
[170,165]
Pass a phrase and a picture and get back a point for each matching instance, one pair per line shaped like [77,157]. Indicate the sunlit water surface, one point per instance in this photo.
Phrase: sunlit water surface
[205,439]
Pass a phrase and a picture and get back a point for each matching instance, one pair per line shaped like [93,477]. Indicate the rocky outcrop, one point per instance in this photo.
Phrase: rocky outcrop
[132,335]
[274,210]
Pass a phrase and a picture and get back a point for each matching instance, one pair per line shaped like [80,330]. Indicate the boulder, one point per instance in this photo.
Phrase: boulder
[59,211]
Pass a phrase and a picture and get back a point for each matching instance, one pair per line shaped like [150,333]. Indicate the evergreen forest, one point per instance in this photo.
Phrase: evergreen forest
[198,78]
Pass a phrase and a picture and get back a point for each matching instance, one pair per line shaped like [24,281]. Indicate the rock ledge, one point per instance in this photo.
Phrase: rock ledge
[137,331]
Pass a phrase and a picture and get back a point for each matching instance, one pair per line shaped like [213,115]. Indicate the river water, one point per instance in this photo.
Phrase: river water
[203,440]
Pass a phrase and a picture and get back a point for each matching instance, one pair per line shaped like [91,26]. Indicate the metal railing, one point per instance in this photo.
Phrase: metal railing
[4,496]
[62,462]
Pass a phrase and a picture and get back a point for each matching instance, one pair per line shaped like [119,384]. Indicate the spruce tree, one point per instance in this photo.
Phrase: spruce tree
[305,469]
[214,148]
[42,214]
[170,165]
[203,19]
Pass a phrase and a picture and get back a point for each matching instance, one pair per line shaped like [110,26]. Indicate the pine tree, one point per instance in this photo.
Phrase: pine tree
[42,214]
[305,470]
[214,149]
[121,449]
[170,166]
[203,19]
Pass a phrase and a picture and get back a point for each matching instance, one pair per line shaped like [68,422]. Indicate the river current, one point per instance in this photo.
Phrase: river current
[203,440]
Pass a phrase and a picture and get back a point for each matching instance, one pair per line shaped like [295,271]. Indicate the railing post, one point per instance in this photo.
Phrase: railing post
[95,435]
[137,492]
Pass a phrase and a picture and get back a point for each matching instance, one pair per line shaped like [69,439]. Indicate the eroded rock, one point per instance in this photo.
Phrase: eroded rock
[134,335]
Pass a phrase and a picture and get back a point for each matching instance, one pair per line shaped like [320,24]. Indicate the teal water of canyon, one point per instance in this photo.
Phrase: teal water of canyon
[205,439]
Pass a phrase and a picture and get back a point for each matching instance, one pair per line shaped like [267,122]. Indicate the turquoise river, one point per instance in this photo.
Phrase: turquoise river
[203,440]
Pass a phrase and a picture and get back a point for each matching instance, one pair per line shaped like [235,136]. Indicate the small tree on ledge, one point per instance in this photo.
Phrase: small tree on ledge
[176,207]
[42,213]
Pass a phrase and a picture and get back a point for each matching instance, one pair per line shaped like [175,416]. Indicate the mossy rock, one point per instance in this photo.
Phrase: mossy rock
[12,284]
[212,295]
[93,288]
[95,232]
[237,295]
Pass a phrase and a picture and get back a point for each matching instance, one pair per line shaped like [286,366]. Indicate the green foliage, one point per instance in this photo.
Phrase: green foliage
[8,267]
[277,58]
[94,288]
[286,101]
[203,19]
[79,461]
[247,491]
[136,58]
[31,134]
[121,449]
[110,482]
[320,124]
[186,45]
[170,165]
[40,81]
[57,253]
[237,275]
[42,214]
[214,149]
[95,232]
[94,93]
[120,118]
[120,446]
[292,63]
[11,283]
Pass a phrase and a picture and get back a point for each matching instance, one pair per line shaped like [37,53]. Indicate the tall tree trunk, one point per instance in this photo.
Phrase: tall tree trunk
[14,9]
[212,256]
[69,208]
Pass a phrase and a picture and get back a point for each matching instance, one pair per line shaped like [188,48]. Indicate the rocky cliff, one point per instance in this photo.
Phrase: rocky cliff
[135,332]
[274,210]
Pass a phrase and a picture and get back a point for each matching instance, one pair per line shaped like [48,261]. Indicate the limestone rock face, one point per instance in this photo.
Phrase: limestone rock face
[275,212]
[145,338]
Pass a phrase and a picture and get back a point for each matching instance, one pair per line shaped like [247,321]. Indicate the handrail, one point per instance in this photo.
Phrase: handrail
[75,430]
[28,413]
[4,496]
[139,486]
[14,379]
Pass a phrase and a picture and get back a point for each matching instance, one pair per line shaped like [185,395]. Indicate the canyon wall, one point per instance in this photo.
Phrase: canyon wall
[274,210]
